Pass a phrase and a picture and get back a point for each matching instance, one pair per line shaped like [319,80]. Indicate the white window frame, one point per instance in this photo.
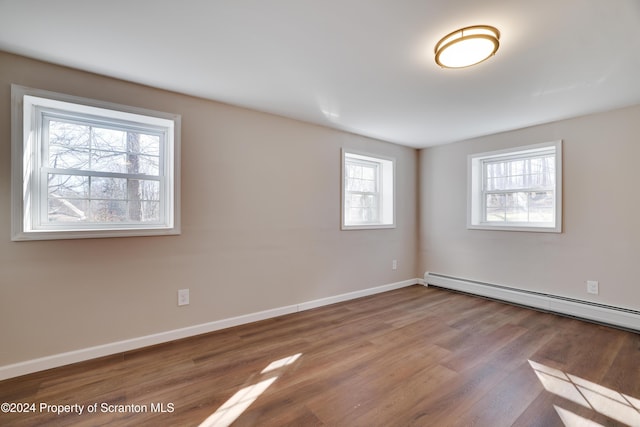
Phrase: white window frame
[385,193]
[476,209]
[30,109]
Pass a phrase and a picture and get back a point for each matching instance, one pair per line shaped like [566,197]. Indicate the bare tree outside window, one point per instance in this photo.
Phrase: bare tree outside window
[520,190]
[516,189]
[85,168]
[102,175]
[133,185]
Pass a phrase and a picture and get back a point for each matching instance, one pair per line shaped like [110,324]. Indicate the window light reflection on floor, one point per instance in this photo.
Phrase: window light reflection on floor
[281,363]
[237,404]
[569,419]
[610,403]
[226,414]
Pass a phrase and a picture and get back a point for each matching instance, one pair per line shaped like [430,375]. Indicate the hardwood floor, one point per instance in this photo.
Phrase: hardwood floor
[412,357]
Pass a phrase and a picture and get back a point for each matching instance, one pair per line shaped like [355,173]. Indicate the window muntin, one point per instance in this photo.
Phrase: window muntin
[99,173]
[517,189]
[90,171]
[362,203]
[368,196]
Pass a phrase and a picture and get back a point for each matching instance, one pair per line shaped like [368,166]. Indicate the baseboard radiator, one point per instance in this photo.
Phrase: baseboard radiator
[587,310]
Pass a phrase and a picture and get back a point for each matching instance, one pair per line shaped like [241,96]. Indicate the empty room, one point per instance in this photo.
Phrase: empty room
[338,213]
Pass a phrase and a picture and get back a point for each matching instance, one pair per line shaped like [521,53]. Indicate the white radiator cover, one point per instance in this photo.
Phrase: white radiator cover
[606,314]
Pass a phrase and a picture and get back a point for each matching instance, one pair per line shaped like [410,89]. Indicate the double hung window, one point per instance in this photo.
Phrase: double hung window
[367,198]
[87,169]
[517,189]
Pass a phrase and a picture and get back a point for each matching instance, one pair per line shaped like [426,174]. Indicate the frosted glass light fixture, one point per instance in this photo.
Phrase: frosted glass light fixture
[467,46]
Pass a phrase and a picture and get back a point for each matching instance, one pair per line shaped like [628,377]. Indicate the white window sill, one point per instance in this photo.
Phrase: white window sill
[530,228]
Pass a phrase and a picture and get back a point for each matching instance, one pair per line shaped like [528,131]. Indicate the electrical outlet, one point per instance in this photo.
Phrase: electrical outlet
[394,264]
[592,287]
[183,296]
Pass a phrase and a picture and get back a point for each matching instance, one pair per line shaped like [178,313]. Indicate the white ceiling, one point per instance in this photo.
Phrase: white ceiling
[364,66]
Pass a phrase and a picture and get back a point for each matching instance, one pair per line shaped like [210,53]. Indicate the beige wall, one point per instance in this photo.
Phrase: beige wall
[260,228]
[601,236]
[261,224]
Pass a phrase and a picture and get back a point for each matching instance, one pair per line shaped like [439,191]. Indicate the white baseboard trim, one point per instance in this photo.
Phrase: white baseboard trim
[57,360]
[356,294]
[606,314]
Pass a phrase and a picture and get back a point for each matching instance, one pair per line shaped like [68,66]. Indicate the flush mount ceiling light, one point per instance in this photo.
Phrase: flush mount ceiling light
[467,46]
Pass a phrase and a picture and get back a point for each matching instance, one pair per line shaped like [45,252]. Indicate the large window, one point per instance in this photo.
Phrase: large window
[368,191]
[83,168]
[517,189]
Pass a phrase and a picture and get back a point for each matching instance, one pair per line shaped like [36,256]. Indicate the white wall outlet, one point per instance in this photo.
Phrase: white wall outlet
[592,287]
[183,296]
[394,264]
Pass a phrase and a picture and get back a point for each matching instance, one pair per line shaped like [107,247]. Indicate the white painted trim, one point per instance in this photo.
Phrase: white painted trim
[475,204]
[601,313]
[61,359]
[384,162]
[27,107]
[356,294]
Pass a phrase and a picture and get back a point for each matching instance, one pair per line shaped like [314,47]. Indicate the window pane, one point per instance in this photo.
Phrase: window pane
[74,146]
[363,215]
[108,161]
[370,201]
[534,172]
[495,207]
[108,211]
[63,157]
[62,209]
[372,214]
[68,186]
[109,139]
[353,171]
[361,178]
[515,182]
[515,189]
[150,211]
[75,198]
[149,144]
[355,215]
[369,173]
[94,169]
[354,184]
[148,190]
[69,135]
[492,184]
[365,180]
[541,207]
[516,209]
[147,165]
[108,188]
[362,208]
[520,207]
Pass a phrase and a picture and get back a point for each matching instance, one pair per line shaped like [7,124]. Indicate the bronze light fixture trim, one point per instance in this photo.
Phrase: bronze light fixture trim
[467,46]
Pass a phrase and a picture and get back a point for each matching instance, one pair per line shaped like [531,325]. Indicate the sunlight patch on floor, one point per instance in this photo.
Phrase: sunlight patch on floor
[281,363]
[226,414]
[569,419]
[237,404]
[603,400]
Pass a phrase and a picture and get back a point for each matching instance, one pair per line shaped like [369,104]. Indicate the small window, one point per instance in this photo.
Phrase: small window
[83,168]
[518,189]
[368,191]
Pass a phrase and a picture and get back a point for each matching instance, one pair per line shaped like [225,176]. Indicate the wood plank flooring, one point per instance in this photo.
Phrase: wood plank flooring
[412,357]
